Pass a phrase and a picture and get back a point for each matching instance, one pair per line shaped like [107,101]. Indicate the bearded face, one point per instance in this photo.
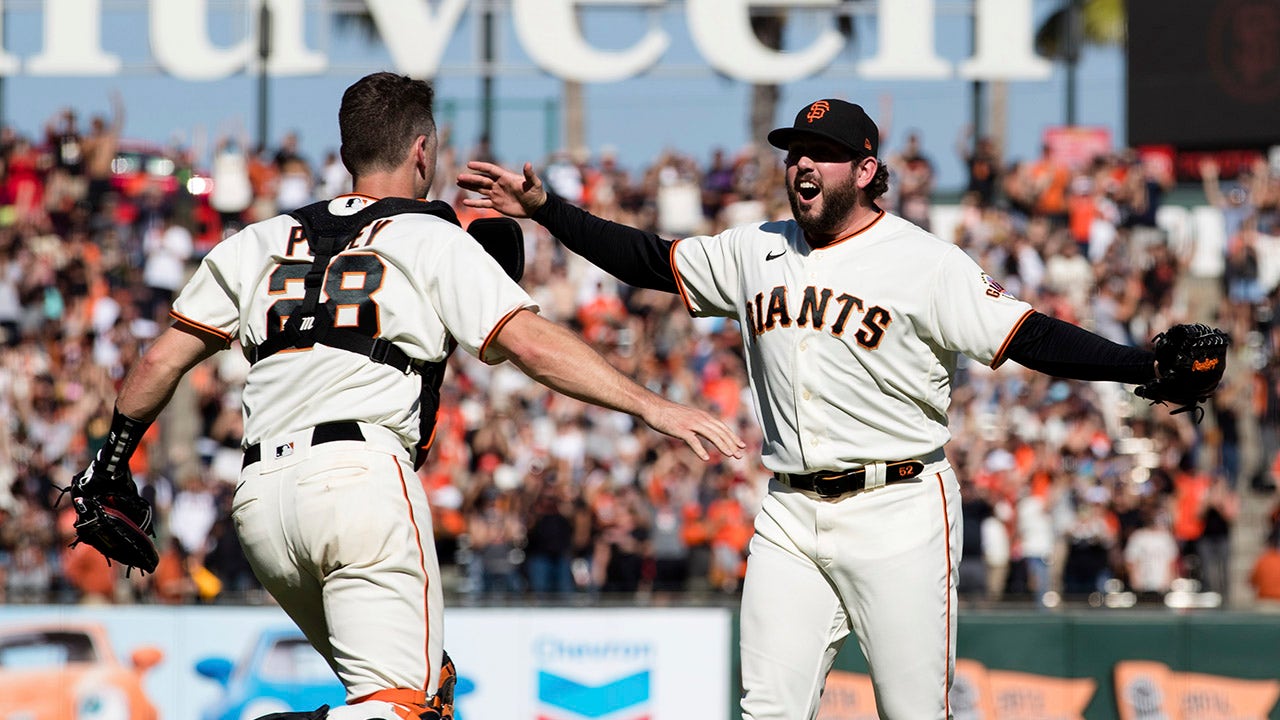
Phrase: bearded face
[820,205]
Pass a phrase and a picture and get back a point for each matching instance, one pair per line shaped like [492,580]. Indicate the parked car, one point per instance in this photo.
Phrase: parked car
[68,671]
[281,673]
[145,172]
[140,165]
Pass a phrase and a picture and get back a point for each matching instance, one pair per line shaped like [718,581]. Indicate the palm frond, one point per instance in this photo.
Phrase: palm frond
[1102,23]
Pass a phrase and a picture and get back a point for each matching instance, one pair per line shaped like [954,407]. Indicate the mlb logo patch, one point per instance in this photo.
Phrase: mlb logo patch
[994,289]
[284,451]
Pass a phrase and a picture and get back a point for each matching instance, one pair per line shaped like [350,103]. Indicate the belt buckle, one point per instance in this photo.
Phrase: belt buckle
[822,481]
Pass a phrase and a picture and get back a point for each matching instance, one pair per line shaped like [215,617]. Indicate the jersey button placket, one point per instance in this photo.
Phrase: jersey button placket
[804,412]
[824,537]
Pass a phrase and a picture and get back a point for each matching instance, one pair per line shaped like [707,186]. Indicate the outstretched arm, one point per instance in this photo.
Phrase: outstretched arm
[1060,349]
[633,256]
[560,360]
[1209,181]
[117,112]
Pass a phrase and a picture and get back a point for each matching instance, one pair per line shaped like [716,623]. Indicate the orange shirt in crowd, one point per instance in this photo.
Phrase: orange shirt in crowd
[1081,212]
[1265,577]
[723,393]
[731,525]
[599,313]
[1189,491]
[1054,178]
[262,176]
[171,582]
[467,215]
[140,462]
[694,531]
[88,572]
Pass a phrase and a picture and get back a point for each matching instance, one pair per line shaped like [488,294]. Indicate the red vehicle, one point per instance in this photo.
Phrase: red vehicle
[140,167]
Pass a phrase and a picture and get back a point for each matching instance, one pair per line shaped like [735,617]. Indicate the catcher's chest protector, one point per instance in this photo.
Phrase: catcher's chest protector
[327,235]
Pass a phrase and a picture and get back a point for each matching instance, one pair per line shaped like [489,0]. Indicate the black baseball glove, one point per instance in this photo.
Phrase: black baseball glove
[1190,360]
[112,518]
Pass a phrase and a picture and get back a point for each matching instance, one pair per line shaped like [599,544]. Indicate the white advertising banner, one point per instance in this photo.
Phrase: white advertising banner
[570,664]
[221,663]
[417,32]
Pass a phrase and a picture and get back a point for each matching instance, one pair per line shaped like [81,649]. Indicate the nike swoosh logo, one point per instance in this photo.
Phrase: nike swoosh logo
[772,256]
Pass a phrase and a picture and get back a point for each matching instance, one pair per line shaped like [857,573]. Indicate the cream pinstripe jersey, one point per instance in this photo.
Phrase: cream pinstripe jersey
[851,348]
[414,279]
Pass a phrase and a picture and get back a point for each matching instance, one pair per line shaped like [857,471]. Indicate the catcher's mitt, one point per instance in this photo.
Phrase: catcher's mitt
[1190,360]
[112,518]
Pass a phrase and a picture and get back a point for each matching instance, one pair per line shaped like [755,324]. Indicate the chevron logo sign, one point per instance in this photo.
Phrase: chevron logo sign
[625,698]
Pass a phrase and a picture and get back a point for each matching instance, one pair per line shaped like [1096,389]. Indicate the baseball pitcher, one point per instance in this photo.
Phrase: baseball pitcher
[852,320]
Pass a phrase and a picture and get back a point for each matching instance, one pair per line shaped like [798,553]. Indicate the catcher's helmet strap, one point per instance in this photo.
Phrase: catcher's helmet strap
[327,235]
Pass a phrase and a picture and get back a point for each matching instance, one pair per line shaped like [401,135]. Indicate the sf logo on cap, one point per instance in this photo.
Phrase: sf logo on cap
[817,110]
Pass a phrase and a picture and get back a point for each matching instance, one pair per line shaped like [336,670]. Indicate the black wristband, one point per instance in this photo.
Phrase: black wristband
[122,441]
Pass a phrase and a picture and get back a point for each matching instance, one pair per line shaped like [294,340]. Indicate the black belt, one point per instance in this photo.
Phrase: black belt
[323,433]
[834,484]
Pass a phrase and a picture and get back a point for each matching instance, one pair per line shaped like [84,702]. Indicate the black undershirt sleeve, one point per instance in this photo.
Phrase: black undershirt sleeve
[1042,343]
[635,257]
[1060,349]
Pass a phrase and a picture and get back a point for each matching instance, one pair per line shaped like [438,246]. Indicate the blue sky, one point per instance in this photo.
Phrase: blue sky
[682,104]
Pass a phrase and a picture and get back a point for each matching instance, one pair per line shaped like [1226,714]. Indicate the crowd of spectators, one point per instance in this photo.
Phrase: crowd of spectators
[1071,490]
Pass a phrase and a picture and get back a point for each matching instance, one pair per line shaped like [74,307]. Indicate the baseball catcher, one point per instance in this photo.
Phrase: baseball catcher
[111,517]
[1190,360]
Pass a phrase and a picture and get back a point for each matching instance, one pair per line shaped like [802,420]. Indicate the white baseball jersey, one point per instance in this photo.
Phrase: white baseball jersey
[249,283]
[339,532]
[851,348]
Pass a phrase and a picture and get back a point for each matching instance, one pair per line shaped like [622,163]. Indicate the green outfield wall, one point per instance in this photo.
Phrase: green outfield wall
[1075,645]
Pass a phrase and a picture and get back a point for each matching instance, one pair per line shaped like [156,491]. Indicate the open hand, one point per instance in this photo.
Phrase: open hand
[500,189]
[689,424]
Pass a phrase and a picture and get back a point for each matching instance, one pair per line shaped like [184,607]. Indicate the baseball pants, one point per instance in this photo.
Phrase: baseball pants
[882,564]
[340,534]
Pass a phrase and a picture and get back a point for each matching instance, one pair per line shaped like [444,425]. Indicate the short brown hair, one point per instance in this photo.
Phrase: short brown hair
[380,116]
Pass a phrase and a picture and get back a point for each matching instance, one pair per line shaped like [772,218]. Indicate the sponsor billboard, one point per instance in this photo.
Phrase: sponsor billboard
[224,663]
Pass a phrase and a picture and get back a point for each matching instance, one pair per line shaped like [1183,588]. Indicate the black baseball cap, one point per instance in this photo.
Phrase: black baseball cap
[836,120]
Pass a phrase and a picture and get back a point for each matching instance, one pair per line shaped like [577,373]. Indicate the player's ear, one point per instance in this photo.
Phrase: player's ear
[424,155]
[865,170]
[422,150]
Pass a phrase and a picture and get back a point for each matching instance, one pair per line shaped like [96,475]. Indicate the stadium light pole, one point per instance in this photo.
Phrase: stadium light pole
[1073,33]
[486,76]
[975,87]
[264,52]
